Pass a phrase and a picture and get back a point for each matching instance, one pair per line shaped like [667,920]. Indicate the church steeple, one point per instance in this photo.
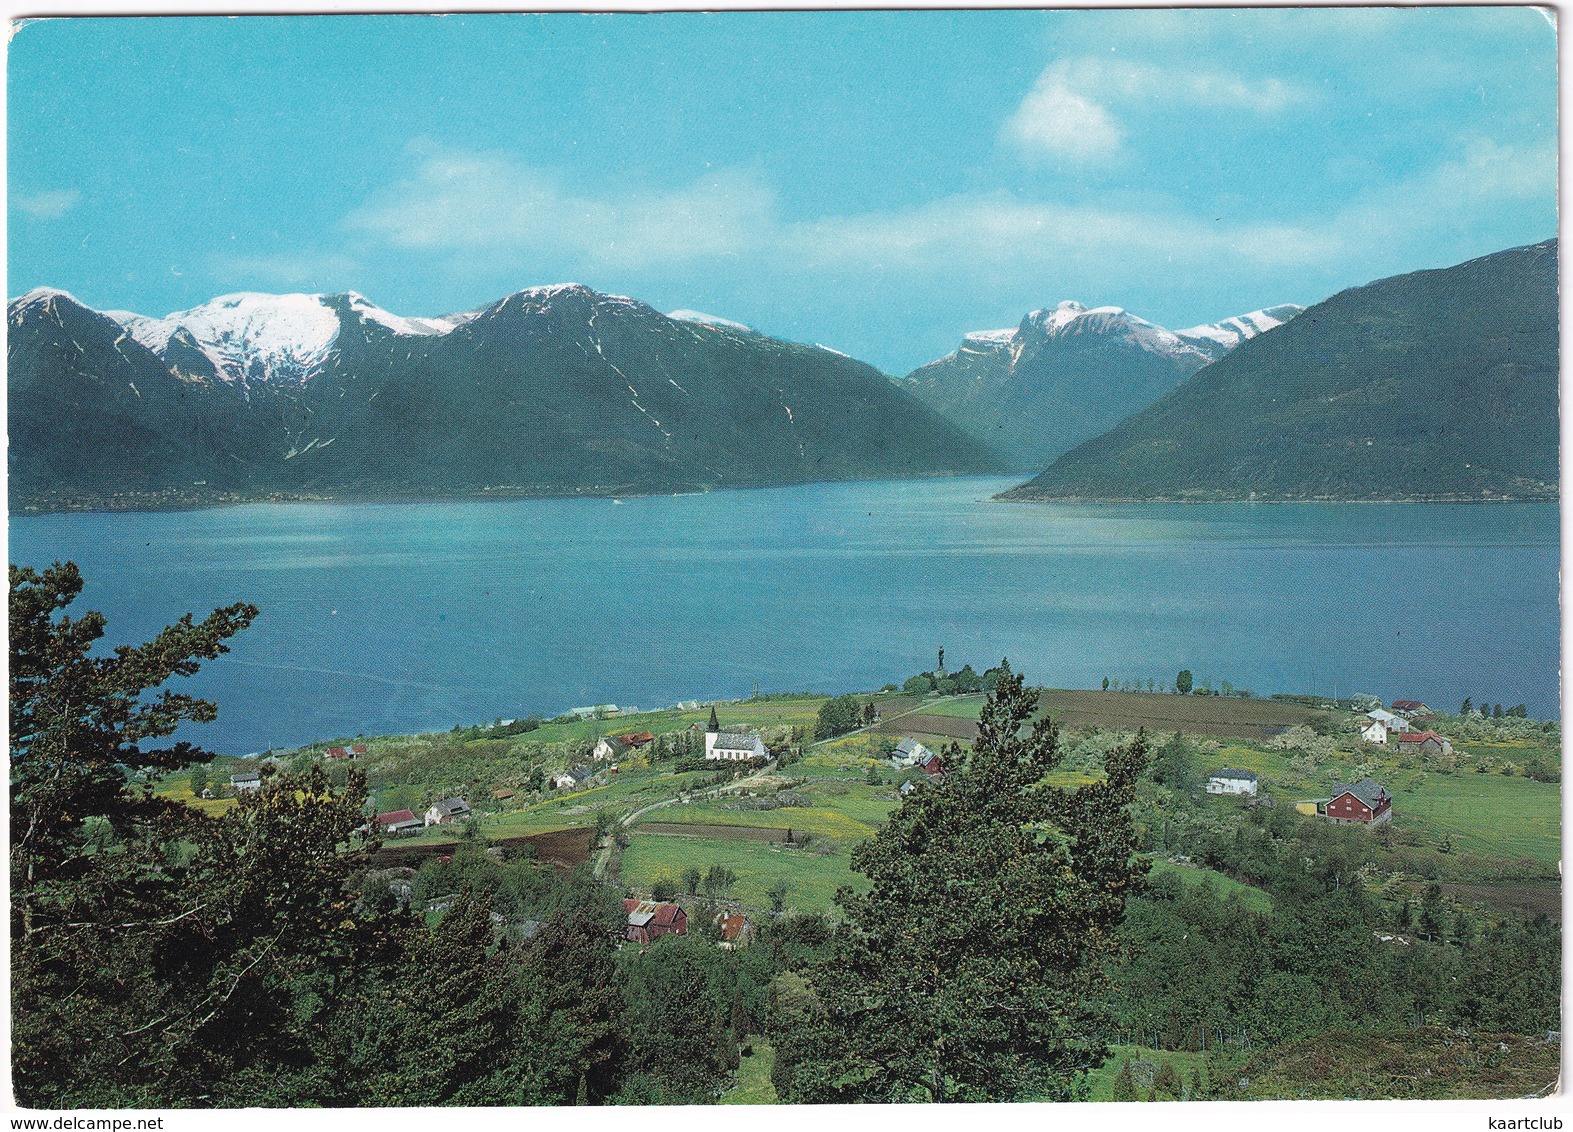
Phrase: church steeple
[715,724]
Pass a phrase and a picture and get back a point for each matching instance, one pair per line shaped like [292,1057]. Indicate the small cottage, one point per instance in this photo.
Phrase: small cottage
[909,752]
[398,821]
[1373,731]
[446,811]
[610,747]
[246,782]
[571,779]
[1423,742]
[1231,780]
[649,920]
[1364,803]
[354,751]
[735,928]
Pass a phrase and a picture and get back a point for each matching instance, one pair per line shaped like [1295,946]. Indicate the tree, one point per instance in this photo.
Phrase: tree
[1182,682]
[837,716]
[718,880]
[1467,707]
[691,880]
[1124,1083]
[1105,683]
[911,1007]
[199,780]
[80,725]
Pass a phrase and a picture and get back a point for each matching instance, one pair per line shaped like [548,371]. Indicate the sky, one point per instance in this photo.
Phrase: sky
[879,182]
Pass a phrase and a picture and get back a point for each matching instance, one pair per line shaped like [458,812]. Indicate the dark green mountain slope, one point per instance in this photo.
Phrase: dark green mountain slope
[549,391]
[1433,385]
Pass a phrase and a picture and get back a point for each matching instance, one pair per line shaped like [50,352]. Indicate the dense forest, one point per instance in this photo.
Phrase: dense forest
[1009,935]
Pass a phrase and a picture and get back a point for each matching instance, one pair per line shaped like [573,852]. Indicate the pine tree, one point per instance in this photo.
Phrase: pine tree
[1124,1083]
[912,1010]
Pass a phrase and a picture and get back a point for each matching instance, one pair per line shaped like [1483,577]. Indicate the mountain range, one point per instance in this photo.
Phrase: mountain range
[1432,385]
[1069,373]
[550,390]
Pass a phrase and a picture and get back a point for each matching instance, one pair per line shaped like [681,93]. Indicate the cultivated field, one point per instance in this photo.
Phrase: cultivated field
[1219,716]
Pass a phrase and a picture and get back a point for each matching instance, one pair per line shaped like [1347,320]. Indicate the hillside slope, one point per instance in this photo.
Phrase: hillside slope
[1434,385]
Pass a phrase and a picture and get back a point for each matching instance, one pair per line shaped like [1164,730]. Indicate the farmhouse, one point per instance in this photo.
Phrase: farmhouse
[1364,803]
[245,782]
[446,811]
[569,779]
[909,752]
[635,740]
[1412,709]
[1374,731]
[1393,722]
[1231,780]
[933,766]
[648,920]
[398,821]
[609,748]
[354,751]
[1423,742]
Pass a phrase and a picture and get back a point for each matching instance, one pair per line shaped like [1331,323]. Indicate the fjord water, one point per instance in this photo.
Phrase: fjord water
[403,617]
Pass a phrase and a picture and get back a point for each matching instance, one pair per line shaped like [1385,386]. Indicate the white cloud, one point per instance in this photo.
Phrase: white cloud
[1067,115]
[461,202]
[1055,119]
[49,205]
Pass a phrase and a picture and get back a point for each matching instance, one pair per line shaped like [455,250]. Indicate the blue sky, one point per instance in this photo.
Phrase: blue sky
[880,182]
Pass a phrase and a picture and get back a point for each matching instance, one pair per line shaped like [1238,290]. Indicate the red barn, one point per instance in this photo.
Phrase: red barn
[1364,803]
[648,920]
[637,739]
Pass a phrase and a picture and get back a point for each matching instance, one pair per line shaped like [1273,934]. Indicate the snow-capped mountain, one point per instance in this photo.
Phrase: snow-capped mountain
[1434,385]
[548,390]
[253,337]
[1068,372]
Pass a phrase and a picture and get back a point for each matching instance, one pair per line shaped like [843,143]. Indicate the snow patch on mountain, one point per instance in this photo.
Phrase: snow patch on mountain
[1230,332]
[416,327]
[1071,319]
[247,336]
[710,320]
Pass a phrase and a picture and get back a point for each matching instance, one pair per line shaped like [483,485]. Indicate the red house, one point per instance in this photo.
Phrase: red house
[637,739]
[1364,803]
[353,752]
[648,920]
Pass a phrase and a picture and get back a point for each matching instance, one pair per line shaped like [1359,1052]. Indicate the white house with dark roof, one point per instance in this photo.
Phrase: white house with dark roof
[245,782]
[909,752]
[1374,731]
[1232,780]
[447,810]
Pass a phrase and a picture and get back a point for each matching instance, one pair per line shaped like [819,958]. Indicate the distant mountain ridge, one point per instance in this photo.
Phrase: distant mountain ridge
[1434,385]
[1067,373]
[550,390]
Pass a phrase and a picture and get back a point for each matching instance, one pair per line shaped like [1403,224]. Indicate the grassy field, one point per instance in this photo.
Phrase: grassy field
[813,879]
[1102,1078]
[1488,814]
[1254,898]
[753,1075]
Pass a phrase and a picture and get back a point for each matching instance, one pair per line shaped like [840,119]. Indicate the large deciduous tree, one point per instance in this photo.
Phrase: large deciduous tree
[974,967]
